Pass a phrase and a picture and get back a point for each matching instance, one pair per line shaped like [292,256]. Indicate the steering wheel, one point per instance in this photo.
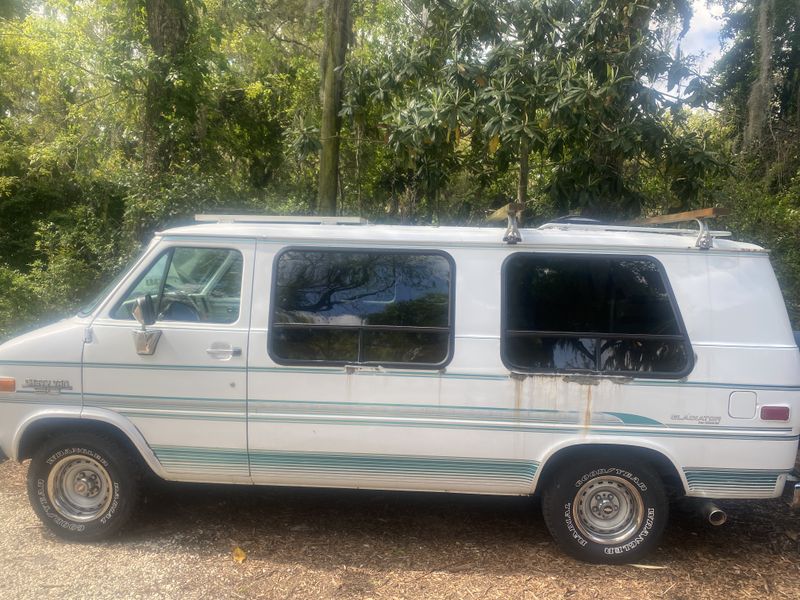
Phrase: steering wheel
[178,310]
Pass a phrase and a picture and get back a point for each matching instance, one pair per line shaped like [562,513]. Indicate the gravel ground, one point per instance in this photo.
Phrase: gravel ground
[346,544]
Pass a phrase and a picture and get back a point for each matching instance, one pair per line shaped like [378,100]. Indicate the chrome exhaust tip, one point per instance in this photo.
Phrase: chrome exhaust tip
[714,514]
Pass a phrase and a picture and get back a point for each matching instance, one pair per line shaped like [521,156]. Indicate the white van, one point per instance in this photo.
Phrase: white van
[604,368]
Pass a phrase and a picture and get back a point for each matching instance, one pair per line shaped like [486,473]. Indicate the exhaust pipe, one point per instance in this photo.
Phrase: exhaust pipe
[715,515]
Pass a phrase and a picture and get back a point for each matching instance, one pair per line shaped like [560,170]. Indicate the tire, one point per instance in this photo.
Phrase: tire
[84,487]
[606,511]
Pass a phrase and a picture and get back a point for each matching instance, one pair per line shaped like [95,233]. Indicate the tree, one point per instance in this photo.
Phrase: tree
[571,82]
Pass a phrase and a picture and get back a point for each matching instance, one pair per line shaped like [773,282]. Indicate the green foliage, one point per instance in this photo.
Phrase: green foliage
[772,221]
[569,82]
[75,254]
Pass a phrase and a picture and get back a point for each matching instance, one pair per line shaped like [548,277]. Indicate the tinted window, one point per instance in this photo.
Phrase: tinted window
[190,284]
[351,307]
[587,313]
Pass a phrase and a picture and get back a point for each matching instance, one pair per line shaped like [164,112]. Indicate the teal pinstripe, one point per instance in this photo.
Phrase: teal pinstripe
[394,373]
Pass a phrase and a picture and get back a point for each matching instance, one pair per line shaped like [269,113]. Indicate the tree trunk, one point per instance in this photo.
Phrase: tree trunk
[337,32]
[761,92]
[522,182]
[168,31]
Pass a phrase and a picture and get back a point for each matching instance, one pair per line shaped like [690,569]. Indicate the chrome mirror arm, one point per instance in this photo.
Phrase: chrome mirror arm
[145,340]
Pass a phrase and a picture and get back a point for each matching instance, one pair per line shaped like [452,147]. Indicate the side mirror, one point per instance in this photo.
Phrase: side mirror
[145,339]
[145,310]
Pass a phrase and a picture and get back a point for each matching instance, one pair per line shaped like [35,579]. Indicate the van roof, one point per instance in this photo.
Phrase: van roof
[554,235]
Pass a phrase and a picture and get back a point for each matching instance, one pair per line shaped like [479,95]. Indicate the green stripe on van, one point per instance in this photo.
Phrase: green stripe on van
[729,482]
[519,473]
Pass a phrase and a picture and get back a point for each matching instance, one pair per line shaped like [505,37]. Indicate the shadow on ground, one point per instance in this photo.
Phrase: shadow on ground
[393,530]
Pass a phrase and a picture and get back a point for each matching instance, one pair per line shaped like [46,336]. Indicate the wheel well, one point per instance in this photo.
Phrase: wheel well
[39,431]
[660,463]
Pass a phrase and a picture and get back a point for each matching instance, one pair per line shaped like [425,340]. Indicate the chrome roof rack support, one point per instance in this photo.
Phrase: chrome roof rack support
[705,240]
[512,235]
[285,219]
[512,212]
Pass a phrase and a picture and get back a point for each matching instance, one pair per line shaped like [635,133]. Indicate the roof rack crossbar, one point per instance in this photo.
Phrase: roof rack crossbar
[632,228]
[704,237]
[286,219]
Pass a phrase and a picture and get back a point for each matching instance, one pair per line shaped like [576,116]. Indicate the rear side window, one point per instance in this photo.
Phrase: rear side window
[591,313]
[362,307]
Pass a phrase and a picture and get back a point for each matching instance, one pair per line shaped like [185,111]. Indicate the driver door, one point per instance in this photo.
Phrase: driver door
[188,398]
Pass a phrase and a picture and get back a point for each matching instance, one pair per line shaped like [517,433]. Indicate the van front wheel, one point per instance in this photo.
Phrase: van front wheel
[83,487]
[605,511]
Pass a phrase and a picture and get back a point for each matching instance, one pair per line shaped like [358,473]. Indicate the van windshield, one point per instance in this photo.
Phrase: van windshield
[90,307]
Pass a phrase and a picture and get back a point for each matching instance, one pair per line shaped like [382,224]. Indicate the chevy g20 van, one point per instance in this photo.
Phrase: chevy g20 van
[600,367]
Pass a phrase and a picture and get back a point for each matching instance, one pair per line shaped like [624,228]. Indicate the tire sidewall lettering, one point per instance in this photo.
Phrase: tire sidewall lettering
[613,471]
[638,538]
[56,456]
[113,508]
[571,526]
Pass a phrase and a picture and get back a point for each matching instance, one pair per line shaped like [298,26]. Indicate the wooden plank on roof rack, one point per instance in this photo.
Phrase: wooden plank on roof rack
[689,215]
[501,214]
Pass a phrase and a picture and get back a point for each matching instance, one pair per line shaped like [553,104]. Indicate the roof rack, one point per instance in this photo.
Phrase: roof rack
[285,219]
[705,237]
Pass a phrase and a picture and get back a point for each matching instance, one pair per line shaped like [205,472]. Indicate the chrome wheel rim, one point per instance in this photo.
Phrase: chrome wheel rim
[79,488]
[608,510]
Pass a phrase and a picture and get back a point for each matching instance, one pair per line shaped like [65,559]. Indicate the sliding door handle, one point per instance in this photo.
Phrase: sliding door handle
[223,351]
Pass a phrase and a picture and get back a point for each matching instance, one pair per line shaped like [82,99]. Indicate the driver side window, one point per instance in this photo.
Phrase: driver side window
[190,285]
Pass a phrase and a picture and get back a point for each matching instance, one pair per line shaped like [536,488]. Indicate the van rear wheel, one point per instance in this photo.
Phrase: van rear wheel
[83,487]
[606,511]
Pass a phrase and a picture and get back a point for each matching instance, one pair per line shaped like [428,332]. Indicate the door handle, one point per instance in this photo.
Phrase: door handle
[223,351]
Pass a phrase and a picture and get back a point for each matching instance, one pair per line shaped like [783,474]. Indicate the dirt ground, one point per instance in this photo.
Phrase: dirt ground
[348,544]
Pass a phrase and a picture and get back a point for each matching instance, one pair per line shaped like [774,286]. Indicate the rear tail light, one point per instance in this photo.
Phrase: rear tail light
[774,413]
[8,384]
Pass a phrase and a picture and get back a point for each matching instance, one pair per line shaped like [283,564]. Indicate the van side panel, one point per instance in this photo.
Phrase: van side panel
[476,427]
[454,429]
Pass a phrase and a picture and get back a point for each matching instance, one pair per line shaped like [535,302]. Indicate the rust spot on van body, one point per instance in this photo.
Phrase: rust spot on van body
[518,383]
[348,385]
[587,413]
